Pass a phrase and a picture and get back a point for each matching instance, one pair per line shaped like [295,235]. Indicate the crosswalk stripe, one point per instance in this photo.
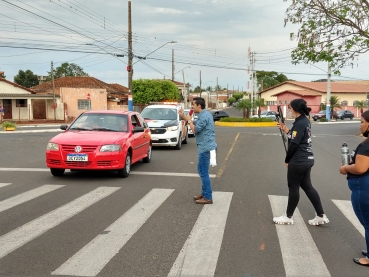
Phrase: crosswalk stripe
[4,184]
[92,258]
[27,196]
[345,207]
[199,255]
[300,254]
[29,231]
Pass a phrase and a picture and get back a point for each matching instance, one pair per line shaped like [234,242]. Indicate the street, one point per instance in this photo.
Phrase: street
[95,224]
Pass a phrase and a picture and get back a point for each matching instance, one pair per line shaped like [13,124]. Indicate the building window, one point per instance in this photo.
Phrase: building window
[21,103]
[344,103]
[280,102]
[285,102]
[356,102]
[83,104]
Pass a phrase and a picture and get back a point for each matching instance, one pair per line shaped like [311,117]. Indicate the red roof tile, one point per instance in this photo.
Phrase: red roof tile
[302,92]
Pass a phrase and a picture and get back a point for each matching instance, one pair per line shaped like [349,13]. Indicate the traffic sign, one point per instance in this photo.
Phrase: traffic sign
[88,96]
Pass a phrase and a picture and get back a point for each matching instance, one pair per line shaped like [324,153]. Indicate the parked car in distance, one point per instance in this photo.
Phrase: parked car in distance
[345,114]
[100,140]
[321,114]
[194,117]
[217,115]
[167,128]
[267,114]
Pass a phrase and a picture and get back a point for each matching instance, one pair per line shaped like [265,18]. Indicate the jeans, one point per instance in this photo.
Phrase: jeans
[203,170]
[298,176]
[360,202]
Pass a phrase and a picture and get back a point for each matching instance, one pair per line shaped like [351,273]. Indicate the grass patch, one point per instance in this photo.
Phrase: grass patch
[240,119]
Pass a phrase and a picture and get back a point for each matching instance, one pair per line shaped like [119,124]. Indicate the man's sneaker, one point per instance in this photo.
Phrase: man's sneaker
[317,220]
[283,219]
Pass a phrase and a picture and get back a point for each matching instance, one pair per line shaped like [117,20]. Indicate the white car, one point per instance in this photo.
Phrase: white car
[194,117]
[167,129]
[267,114]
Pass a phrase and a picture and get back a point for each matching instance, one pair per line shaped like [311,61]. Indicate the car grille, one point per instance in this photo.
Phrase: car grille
[56,162]
[155,131]
[104,163]
[85,148]
[77,164]
[160,141]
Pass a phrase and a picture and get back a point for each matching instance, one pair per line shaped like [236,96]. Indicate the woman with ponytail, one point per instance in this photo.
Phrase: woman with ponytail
[358,181]
[299,160]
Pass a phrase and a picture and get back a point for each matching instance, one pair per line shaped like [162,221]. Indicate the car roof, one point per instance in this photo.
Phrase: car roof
[109,112]
[169,106]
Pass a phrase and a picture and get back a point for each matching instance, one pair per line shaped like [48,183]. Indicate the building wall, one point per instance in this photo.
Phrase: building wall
[112,105]
[10,89]
[70,96]
[268,94]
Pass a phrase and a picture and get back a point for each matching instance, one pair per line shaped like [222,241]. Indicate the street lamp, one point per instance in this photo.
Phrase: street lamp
[182,69]
[144,58]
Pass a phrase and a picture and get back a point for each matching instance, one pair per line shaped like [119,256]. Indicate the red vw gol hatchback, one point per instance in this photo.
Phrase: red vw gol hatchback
[100,140]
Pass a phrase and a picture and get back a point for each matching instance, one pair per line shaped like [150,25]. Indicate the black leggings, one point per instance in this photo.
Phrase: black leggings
[299,176]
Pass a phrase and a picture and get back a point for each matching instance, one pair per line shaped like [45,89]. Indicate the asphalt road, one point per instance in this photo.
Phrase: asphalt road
[233,237]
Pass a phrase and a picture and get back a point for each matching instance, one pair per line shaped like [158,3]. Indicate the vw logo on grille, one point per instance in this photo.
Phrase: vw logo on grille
[78,149]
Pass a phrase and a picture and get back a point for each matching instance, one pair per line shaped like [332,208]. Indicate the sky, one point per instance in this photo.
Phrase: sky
[211,36]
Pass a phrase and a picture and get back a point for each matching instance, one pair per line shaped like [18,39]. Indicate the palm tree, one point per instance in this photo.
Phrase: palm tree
[335,103]
[245,105]
[360,105]
[259,103]
[209,88]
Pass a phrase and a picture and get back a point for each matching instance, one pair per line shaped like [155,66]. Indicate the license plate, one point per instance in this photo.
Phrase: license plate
[77,157]
[154,138]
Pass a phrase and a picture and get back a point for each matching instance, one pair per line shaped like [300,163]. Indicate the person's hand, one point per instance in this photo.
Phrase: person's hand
[181,113]
[282,126]
[287,165]
[343,170]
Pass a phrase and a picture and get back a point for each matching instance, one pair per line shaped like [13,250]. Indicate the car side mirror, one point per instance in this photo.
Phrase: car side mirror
[64,127]
[138,130]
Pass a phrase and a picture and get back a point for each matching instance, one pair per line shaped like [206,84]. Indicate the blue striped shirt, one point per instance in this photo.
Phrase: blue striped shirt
[204,131]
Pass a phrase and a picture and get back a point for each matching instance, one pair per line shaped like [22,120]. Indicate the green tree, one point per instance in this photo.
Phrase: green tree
[67,69]
[331,31]
[26,78]
[2,75]
[335,104]
[145,91]
[238,96]
[360,105]
[267,79]
[231,100]
[245,105]
[209,88]
[259,103]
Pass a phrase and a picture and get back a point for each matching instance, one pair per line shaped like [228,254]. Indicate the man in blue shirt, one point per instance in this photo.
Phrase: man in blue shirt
[203,128]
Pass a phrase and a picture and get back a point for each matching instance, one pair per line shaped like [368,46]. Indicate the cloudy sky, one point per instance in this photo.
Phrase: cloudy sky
[212,36]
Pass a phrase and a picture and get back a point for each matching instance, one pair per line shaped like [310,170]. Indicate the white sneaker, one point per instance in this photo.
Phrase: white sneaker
[283,219]
[317,220]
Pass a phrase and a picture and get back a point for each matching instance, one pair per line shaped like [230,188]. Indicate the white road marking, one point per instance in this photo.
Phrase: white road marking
[92,258]
[29,231]
[4,184]
[132,172]
[199,255]
[27,196]
[345,207]
[300,254]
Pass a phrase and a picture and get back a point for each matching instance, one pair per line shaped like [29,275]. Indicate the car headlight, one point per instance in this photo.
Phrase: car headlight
[110,148]
[52,146]
[172,128]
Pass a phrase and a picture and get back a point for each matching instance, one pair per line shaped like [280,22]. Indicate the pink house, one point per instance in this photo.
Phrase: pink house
[313,99]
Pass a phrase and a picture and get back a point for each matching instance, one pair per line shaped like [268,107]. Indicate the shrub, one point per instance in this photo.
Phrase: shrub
[240,119]
[323,119]
[8,124]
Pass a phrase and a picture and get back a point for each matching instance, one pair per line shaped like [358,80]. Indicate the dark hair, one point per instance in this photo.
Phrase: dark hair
[365,115]
[200,101]
[299,105]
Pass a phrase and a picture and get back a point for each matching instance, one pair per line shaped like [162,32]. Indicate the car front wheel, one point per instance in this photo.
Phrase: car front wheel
[57,171]
[124,172]
[148,157]
[179,144]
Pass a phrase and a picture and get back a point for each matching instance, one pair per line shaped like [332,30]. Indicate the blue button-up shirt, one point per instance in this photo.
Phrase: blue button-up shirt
[204,131]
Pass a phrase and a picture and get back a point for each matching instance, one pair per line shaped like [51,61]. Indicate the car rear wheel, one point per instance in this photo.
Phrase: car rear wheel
[342,118]
[57,171]
[351,117]
[124,172]
[179,144]
[148,157]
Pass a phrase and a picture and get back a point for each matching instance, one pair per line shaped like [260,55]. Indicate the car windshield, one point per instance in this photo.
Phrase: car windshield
[322,112]
[160,113]
[264,113]
[101,122]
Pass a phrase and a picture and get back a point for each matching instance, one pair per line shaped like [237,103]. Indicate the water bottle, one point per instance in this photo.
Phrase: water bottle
[345,156]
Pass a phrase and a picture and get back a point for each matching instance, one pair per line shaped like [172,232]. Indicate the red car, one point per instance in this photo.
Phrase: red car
[100,140]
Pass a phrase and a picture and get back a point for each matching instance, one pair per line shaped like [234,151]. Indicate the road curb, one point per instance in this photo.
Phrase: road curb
[31,131]
[246,124]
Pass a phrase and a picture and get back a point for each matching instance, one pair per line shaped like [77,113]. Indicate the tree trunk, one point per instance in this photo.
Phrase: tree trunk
[244,113]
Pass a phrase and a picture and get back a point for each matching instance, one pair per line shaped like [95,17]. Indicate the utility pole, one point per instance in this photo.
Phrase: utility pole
[172,64]
[217,96]
[52,78]
[184,92]
[227,94]
[200,83]
[130,57]
[328,106]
